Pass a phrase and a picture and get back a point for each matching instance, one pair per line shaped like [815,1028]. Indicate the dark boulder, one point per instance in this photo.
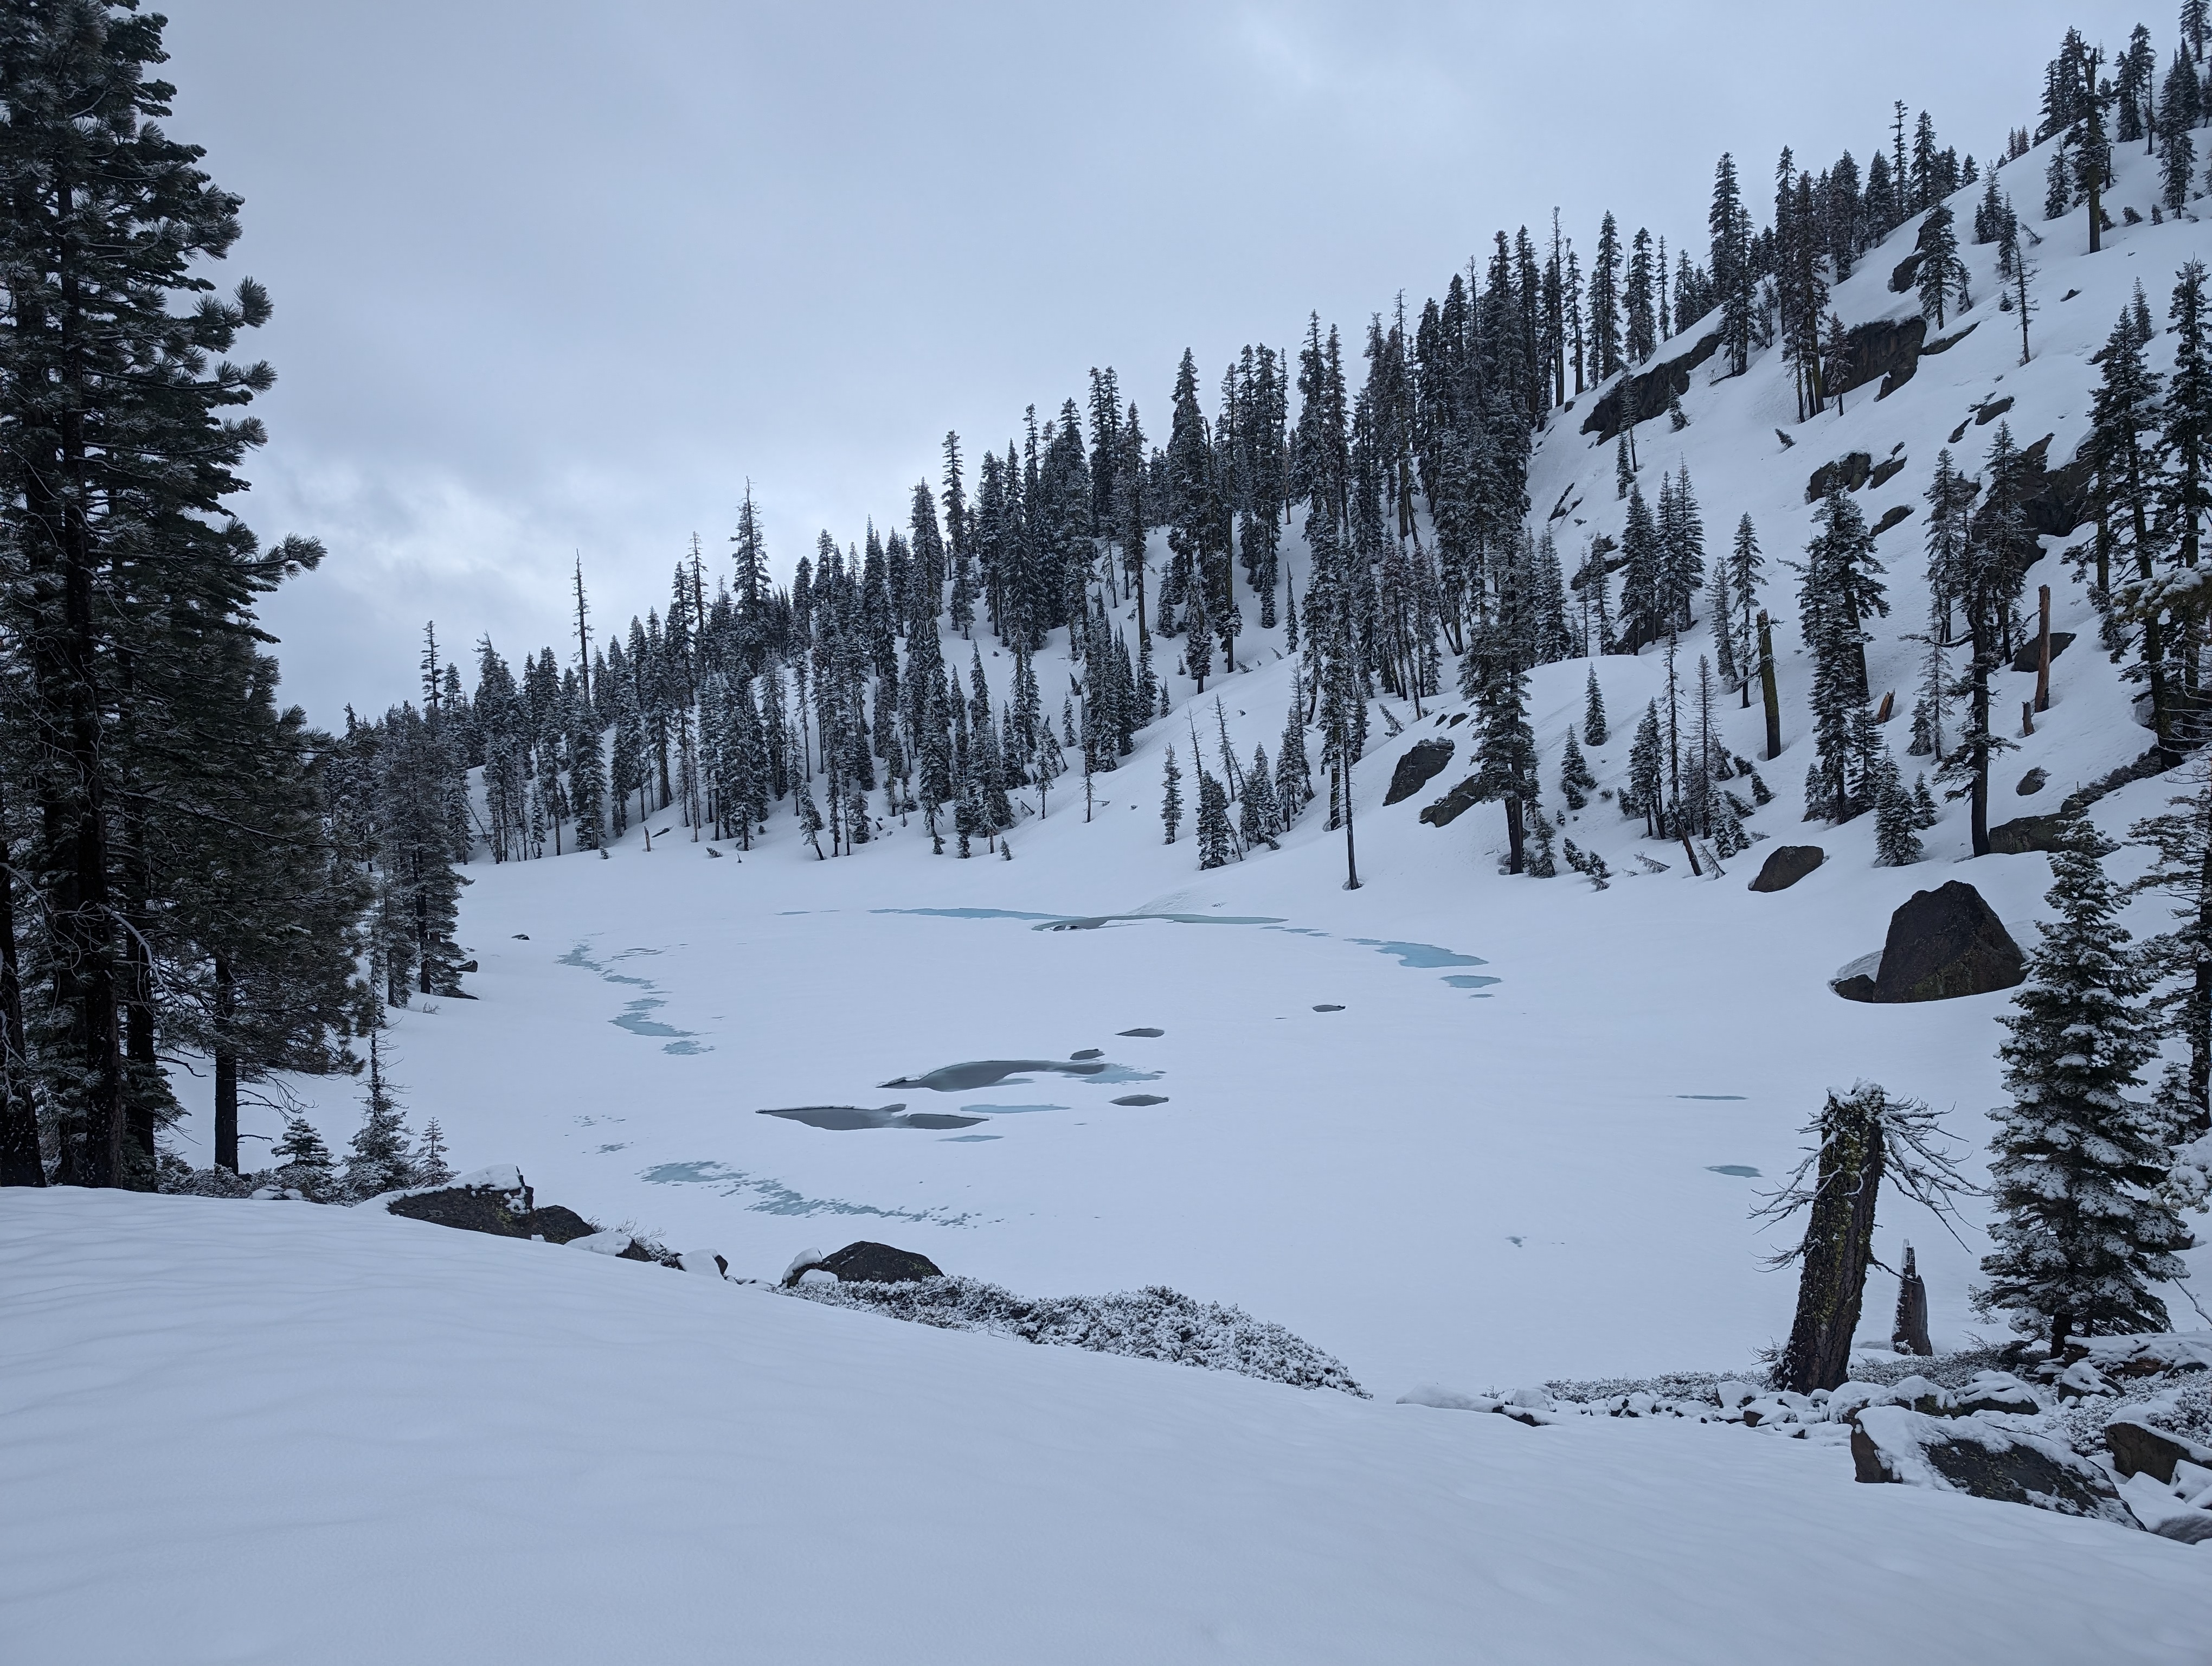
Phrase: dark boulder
[2138,1449]
[2030,657]
[877,1263]
[1640,397]
[1455,804]
[1896,516]
[1786,865]
[1967,1455]
[2034,782]
[507,1215]
[1848,472]
[1887,351]
[2025,833]
[1944,944]
[1422,764]
[1902,275]
[1984,415]
[1885,472]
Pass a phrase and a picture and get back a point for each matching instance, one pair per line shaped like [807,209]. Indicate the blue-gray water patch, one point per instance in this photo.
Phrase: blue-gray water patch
[1738,1170]
[847,1119]
[1009,1110]
[1424,956]
[777,1199]
[968,1138]
[1142,1099]
[1471,981]
[633,1017]
[965,1077]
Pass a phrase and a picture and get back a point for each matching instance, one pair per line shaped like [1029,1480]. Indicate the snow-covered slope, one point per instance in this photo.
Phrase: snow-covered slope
[272,1432]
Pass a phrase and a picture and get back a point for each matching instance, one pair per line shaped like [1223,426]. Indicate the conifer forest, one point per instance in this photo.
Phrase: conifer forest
[1587,893]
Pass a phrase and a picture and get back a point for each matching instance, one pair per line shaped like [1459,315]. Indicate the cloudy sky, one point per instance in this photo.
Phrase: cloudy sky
[560,277]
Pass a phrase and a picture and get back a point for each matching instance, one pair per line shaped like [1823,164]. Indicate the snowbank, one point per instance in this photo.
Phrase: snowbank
[289,1434]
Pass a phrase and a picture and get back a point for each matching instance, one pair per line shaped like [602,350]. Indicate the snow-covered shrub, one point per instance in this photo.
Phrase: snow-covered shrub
[1152,1324]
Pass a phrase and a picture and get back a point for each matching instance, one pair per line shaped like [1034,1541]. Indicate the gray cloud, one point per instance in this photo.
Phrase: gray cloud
[561,276]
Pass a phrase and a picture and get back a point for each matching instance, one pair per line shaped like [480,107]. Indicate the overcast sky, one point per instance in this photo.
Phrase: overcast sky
[559,276]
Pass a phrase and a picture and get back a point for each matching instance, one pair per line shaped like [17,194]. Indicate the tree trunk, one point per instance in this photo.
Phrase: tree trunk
[226,1067]
[20,1160]
[1838,1243]
[1767,689]
[1516,836]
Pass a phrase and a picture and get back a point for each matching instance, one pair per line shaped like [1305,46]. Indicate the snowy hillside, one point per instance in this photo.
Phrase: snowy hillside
[529,1451]
[1528,1143]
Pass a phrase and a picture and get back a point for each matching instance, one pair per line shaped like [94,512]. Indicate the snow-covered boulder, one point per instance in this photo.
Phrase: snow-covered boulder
[865,1262]
[1970,1455]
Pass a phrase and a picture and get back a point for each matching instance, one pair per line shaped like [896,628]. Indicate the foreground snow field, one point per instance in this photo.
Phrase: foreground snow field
[276,1432]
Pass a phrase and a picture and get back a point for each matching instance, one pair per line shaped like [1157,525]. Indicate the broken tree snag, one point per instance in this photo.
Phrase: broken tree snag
[1839,1242]
[1861,1138]
[2043,653]
[2026,719]
[1888,708]
[1909,1334]
[1767,690]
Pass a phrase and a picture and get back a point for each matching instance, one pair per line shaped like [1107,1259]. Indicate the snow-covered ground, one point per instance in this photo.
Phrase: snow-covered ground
[275,1432]
[1428,1175]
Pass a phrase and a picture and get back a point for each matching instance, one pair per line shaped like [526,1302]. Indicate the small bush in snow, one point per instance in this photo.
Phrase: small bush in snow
[1152,1324]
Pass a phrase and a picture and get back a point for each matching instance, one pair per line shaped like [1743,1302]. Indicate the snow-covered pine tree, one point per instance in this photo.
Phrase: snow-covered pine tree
[1645,793]
[1171,797]
[1897,844]
[429,1162]
[2083,1236]
[1543,858]
[2125,415]
[1577,783]
[1643,581]
[1505,747]
[1745,565]
[303,1159]
[1594,731]
[377,1160]
[1260,820]
[1215,845]
[2180,839]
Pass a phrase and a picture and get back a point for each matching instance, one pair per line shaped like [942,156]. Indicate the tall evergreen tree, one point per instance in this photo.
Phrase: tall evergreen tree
[2081,1235]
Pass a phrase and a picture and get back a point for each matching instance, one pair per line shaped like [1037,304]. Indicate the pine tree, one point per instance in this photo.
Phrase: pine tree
[2081,1235]
[377,1160]
[1260,821]
[1943,275]
[303,1160]
[2180,839]
[2125,415]
[1745,565]
[1896,842]
[1646,793]
[1505,746]
[1577,783]
[431,1168]
[1594,731]
[1171,797]
[1543,859]
[1214,839]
